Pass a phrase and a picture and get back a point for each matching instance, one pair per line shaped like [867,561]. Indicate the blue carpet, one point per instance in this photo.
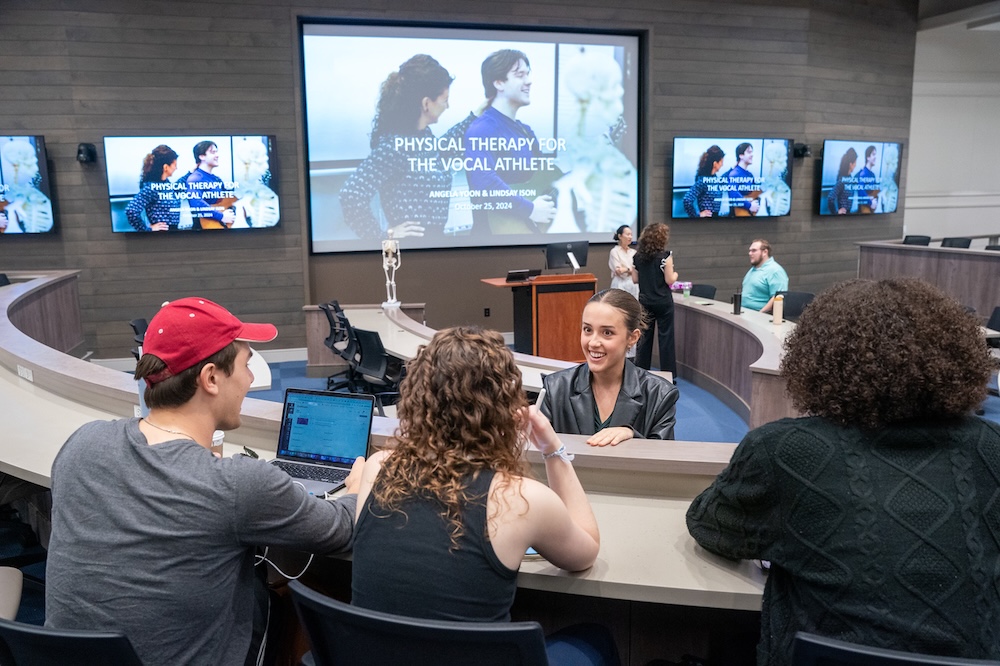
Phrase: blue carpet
[700,416]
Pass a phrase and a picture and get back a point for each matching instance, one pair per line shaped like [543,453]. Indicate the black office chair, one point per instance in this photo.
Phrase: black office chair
[380,371]
[703,290]
[343,344]
[139,327]
[795,303]
[29,645]
[345,635]
[994,323]
[811,650]
[956,242]
[916,240]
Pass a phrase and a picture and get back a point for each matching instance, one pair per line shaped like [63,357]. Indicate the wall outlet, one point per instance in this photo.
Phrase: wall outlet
[486,312]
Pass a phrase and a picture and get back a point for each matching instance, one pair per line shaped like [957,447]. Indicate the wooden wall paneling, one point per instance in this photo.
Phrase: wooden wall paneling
[764,68]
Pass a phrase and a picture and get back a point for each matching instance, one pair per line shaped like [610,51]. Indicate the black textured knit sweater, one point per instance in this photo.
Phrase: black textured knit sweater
[888,538]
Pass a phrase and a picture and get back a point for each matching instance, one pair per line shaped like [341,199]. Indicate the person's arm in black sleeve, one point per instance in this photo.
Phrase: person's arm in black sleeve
[736,517]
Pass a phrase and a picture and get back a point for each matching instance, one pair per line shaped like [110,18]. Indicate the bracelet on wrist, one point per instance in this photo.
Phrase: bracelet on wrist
[560,453]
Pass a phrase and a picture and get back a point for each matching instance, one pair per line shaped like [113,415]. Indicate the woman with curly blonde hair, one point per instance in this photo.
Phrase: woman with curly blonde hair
[444,518]
[877,511]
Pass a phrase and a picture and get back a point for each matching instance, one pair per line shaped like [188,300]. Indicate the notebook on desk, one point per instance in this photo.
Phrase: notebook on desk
[321,434]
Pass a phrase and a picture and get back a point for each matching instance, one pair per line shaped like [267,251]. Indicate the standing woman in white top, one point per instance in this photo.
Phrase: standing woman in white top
[620,262]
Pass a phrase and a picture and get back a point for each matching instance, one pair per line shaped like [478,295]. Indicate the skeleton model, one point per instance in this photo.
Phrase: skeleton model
[390,262]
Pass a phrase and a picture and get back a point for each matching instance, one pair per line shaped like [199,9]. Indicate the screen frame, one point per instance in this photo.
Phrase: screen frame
[819,186]
[44,185]
[790,143]
[643,147]
[557,254]
[273,167]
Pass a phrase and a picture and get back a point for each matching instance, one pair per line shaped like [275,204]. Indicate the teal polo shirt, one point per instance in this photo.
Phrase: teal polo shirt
[762,282]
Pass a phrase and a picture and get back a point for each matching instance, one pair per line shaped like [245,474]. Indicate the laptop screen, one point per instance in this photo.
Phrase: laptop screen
[325,427]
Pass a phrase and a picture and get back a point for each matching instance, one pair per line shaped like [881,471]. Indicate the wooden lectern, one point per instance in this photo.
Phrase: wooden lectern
[547,311]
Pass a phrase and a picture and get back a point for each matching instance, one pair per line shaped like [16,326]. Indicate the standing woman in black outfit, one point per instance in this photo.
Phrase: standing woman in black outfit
[654,272]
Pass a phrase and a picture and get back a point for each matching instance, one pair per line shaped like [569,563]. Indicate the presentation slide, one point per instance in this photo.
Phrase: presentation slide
[191,183]
[859,177]
[738,177]
[458,137]
[25,199]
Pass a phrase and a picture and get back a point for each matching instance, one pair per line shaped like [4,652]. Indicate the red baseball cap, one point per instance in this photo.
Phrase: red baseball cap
[189,330]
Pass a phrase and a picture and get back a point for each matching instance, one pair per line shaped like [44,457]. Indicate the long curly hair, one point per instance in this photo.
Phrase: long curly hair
[872,353]
[153,163]
[652,241]
[401,95]
[461,411]
[708,159]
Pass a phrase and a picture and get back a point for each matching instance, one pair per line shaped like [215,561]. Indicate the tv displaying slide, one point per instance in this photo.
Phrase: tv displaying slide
[453,136]
[191,183]
[740,177]
[859,177]
[25,199]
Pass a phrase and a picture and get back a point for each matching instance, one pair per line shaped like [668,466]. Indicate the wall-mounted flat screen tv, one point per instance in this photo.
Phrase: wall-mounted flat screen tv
[25,198]
[859,177]
[191,183]
[455,136]
[739,177]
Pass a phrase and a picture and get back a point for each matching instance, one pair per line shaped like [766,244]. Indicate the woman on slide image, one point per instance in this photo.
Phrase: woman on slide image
[607,396]
[839,199]
[147,211]
[699,202]
[445,517]
[411,100]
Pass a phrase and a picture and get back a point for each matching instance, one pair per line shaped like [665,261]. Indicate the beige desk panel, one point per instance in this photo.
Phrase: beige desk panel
[647,555]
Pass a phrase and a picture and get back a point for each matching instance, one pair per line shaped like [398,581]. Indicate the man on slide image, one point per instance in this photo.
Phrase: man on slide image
[205,207]
[507,85]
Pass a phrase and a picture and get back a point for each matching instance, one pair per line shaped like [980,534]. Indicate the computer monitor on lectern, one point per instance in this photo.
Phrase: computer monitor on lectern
[566,254]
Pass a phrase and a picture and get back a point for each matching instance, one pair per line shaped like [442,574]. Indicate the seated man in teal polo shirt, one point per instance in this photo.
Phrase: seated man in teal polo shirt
[765,278]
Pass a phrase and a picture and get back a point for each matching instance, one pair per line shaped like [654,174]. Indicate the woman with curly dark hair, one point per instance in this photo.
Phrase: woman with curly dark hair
[654,272]
[878,510]
[445,517]
[147,211]
[411,99]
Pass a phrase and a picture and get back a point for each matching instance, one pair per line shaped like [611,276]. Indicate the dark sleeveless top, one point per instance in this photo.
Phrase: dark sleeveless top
[652,287]
[402,564]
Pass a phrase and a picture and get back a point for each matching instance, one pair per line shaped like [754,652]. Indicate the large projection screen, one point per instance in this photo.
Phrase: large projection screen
[394,151]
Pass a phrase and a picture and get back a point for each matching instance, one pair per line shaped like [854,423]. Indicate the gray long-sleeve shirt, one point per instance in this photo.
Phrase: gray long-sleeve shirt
[157,541]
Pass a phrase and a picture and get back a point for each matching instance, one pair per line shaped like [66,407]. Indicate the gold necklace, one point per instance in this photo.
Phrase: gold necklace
[172,432]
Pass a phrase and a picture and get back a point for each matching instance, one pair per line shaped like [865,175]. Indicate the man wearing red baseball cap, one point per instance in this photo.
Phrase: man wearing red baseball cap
[154,536]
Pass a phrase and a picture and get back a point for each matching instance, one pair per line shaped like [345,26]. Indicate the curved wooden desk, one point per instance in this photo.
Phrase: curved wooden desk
[734,357]
[640,491]
[971,276]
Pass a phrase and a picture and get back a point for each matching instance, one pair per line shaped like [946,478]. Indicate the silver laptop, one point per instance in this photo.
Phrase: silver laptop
[321,434]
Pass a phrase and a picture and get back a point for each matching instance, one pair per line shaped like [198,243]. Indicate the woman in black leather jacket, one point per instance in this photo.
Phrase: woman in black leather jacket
[607,396]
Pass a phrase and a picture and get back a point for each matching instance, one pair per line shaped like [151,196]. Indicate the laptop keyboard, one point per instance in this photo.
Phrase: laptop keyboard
[313,472]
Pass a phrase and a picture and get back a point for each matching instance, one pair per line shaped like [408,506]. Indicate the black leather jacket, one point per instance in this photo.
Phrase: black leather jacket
[645,404]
